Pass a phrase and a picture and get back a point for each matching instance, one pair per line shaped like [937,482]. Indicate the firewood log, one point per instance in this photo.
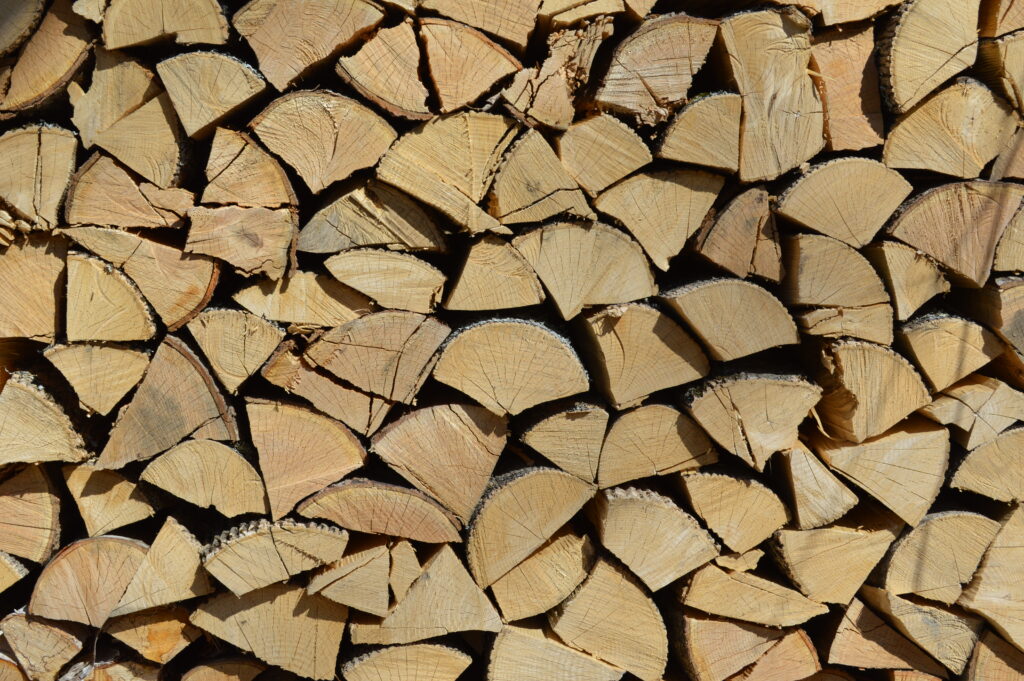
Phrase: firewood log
[22,18]
[572,439]
[714,649]
[997,65]
[823,271]
[511,23]
[947,348]
[746,597]
[529,653]
[157,635]
[33,427]
[871,323]
[385,70]
[358,579]
[993,658]
[103,304]
[424,661]
[601,150]
[240,172]
[844,58]
[463,63]
[652,439]
[103,193]
[99,374]
[911,277]
[41,647]
[29,514]
[392,279]
[818,497]
[41,161]
[994,593]
[743,238]
[561,13]
[405,568]
[304,299]
[494,276]
[988,470]
[706,132]
[978,408]
[715,498]
[127,23]
[254,240]
[105,499]
[205,87]
[792,657]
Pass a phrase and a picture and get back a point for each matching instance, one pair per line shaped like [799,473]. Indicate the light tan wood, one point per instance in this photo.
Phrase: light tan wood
[23,18]
[746,597]
[127,23]
[713,649]
[999,63]
[425,445]
[169,572]
[988,469]
[385,70]
[84,582]
[325,150]
[530,653]
[42,648]
[127,670]
[422,661]
[662,209]
[254,240]
[1009,162]
[774,138]
[532,185]
[106,500]
[103,304]
[510,22]
[978,408]
[100,374]
[444,164]
[995,592]
[948,348]
[10,671]
[521,511]
[257,554]
[1010,250]
[545,578]
[119,85]
[911,277]
[463,63]
[653,439]
[375,507]
[359,579]
[645,86]
[572,439]
[855,377]
[206,87]
[289,39]
[34,427]
[654,538]
[996,306]
[509,365]
[41,160]
[872,323]
[844,59]
[829,199]
[601,150]
[31,270]
[281,625]
[993,658]
[741,512]
[370,214]
[706,132]
[235,343]
[611,617]
[793,656]
[240,172]
[742,238]
[330,451]
[754,415]
[405,568]
[824,271]
[305,299]
[161,158]
[818,497]
[442,600]
[210,475]
[863,640]
[394,280]
[29,514]
[947,635]
[638,350]
[11,571]
[494,276]
[903,468]
[175,399]
[157,635]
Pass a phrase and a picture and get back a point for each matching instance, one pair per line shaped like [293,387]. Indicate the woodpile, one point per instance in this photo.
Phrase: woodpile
[517,340]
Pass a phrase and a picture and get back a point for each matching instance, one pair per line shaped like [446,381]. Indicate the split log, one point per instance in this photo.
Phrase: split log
[947,348]
[42,648]
[225,669]
[464,64]
[532,654]
[127,23]
[359,579]
[572,439]
[240,172]
[562,13]
[988,469]
[206,87]
[742,513]
[423,661]
[99,374]
[714,649]
[512,22]
[254,240]
[995,592]
[818,496]
[23,17]
[11,571]
[911,277]
[106,500]
[235,343]
[30,270]
[385,71]
[793,657]
[157,635]
[706,132]
[601,150]
[978,408]
[405,568]
[844,58]
[33,427]
[494,276]
[825,272]
[997,65]
[119,86]
[743,238]
[160,159]
[394,280]
[993,658]
[41,160]
[742,596]
[872,323]
[997,306]
[29,514]
[304,299]
[103,304]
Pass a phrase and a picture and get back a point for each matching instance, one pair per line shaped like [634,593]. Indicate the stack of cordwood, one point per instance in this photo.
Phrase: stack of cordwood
[511,340]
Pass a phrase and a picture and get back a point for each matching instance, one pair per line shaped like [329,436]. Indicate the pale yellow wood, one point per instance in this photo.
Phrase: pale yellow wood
[844,59]
[304,298]
[911,277]
[359,579]
[375,507]
[1000,66]
[177,397]
[394,280]
[385,70]
[225,669]
[106,500]
[494,276]
[818,497]
[611,617]
[100,374]
[322,135]
[903,468]
[713,649]
[240,172]
[464,63]
[742,238]
[990,470]
[104,193]
[119,85]
[979,408]
[41,647]
[530,653]
[571,439]
[706,132]
[29,513]
[23,17]
[995,660]
[40,161]
[508,20]
[405,568]
[824,271]
[127,23]
[754,415]
[413,662]
[653,439]
[741,512]
[1010,250]
[639,350]
[235,342]
[601,150]
[330,451]
[103,304]
[11,571]
[33,426]
[10,671]
[30,271]
[157,635]
[206,87]
[746,597]
[160,158]
[872,323]
[995,593]
[562,13]
[254,240]
[792,657]
[281,625]
[948,348]
[290,38]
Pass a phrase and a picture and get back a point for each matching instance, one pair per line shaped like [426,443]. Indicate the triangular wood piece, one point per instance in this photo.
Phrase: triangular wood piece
[103,304]
[996,593]
[105,194]
[210,475]
[33,427]
[281,625]
[379,508]
[601,150]
[170,572]
[304,299]
[996,67]
[177,397]
[30,271]
[150,265]
[405,568]
[442,600]
[420,661]
[330,451]
[911,277]
[522,510]
[793,656]
[947,348]
[824,271]
[393,279]
[10,671]
[654,439]
[286,53]
[546,578]
[157,635]
[254,240]
[160,160]
[226,669]
[713,649]
[903,468]
[119,85]
[742,238]
[106,500]
[754,415]
[370,214]
[469,439]
[612,618]
[258,554]
[41,647]
[84,582]
[979,408]
[397,88]
[11,571]
[746,597]
[530,653]
[743,513]
[990,470]
[41,160]
[387,353]
[847,68]
[513,25]
[127,23]
[571,438]
[818,497]
[236,343]
[359,579]
[494,276]
[29,513]
[657,540]
[345,135]
[239,172]
[206,87]
[706,132]
[872,323]
[995,659]
[496,362]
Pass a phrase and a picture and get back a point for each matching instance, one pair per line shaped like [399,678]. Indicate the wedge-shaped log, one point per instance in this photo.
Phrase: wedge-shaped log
[29,514]
[494,276]
[743,513]
[206,87]
[394,280]
[423,661]
[911,277]
[304,298]
[529,653]
[995,593]
[742,596]
[706,132]
[106,500]
[103,304]
[948,348]
[33,427]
